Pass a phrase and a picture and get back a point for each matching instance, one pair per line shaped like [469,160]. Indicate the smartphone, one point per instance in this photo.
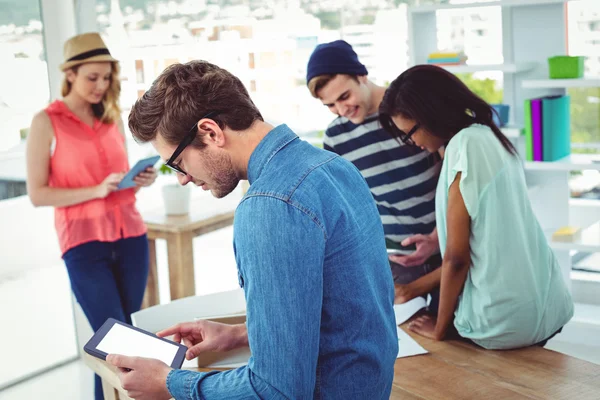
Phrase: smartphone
[394,248]
[399,252]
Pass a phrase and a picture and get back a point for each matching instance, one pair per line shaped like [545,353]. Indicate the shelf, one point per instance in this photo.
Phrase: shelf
[507,68]
[561,83]
[574,162]
[511,131]
[533,189]
[503,3]
[589,242]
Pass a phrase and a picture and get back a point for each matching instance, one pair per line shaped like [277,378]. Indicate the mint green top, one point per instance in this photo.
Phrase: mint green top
[515,294]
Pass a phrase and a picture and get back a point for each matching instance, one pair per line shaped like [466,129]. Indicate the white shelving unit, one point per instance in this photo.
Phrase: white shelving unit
[574,162]
[524,59]
[561,83]
[506,68]
[549,186]
[504,3]
[589,242]
[532,31]
[512,132]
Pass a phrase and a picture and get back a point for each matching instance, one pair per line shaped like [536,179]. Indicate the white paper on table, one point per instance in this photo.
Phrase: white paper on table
[404,311]
[407,346]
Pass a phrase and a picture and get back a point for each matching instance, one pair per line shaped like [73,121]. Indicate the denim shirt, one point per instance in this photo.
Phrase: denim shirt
[311,259]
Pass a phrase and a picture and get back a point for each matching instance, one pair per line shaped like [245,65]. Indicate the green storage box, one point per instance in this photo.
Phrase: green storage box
[566,67]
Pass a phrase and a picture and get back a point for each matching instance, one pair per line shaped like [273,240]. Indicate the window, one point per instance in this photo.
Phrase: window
[22,54]
[266,47]
[36,281]
[267,59]
[251,61]
[139,71]
[583,25]
[170,61]
[158,67]
[478,33]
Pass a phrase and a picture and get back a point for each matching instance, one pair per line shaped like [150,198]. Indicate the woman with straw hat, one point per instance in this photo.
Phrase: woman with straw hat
[76,156]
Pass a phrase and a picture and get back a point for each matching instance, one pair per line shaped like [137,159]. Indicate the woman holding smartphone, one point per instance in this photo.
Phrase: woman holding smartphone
[501,284]
[76,157]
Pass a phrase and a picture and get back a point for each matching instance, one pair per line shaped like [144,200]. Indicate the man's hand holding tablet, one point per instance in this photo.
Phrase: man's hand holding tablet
[144,359]
[202,336]
[142,378]
[145,377]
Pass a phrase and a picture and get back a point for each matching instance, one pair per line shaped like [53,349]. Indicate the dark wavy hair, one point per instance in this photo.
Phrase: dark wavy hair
[182,94]
[439,102]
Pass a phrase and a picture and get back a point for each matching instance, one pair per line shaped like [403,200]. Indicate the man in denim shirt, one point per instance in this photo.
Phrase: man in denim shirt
[309,247]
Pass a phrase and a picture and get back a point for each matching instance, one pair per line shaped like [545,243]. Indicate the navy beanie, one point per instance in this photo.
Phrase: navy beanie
[334,58]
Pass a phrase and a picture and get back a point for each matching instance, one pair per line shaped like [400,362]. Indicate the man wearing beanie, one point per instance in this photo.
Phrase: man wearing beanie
[402,178]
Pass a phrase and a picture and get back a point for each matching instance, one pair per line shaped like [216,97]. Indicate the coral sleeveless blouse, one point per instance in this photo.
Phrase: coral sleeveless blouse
[84,157]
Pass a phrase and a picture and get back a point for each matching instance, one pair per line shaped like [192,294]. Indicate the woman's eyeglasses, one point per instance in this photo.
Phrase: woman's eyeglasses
[407,137]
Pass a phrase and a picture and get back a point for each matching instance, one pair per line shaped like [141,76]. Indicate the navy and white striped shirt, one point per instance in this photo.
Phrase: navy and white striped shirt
[402,178]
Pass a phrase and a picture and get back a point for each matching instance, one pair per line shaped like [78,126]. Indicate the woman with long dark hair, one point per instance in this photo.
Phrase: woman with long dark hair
[501,284]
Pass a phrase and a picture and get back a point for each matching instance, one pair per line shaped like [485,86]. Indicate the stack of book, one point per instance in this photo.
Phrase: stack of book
[447,58]
[547,128]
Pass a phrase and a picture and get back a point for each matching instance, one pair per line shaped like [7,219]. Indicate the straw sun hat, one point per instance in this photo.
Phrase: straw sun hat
[85,48]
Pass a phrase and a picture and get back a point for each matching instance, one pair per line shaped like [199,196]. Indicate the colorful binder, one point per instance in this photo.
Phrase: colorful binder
[528,132]
[556,121]
[536,128]
[547,128]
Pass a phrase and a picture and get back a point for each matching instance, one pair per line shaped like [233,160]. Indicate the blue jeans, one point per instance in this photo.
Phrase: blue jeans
[403,275]
[108,280]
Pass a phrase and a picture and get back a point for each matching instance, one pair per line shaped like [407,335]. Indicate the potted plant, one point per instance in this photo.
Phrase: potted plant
[176,197]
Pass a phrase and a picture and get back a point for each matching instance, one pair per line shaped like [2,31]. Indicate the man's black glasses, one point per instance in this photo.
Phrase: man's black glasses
[189,138]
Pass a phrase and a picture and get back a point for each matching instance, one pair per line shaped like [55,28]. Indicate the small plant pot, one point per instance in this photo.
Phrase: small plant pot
[176,199]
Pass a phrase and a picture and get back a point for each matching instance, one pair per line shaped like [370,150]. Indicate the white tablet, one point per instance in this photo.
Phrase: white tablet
[116,337]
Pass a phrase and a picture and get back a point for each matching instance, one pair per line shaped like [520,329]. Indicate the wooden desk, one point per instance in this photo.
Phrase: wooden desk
[455,370]
[179,232]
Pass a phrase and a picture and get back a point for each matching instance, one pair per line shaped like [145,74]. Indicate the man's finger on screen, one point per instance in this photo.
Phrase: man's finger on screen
[177,338]
[121,361]
[181,328]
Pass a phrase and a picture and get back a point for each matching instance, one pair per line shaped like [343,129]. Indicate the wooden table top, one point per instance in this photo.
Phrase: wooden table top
[459,370]
[184,223]
[204,210]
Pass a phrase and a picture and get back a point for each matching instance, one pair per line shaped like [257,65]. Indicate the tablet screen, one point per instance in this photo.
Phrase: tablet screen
[129,342]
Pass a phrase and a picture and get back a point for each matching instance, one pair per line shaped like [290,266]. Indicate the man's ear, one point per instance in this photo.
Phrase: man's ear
[363,79]
[212,132]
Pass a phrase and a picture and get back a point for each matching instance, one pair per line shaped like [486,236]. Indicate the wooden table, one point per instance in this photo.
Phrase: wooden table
[456,370]
[179,232]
